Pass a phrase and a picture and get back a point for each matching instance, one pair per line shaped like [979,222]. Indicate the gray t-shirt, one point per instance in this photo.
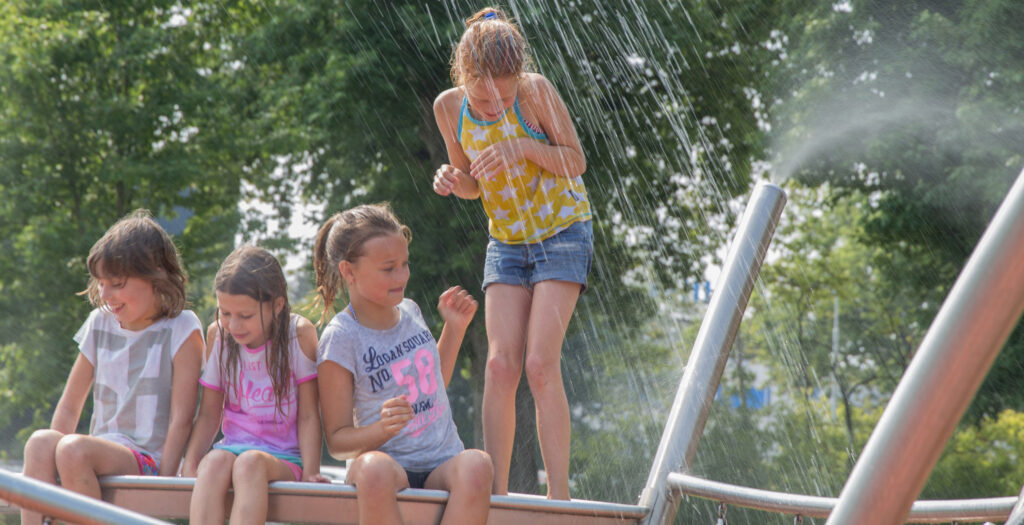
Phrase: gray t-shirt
[399,361]
[131,389]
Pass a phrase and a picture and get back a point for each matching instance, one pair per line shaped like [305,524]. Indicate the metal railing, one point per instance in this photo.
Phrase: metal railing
[925,511]
[63,504]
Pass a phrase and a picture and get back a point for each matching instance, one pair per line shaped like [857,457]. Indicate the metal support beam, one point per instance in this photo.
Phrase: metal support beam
[64,505]
[711,350]
[978,315]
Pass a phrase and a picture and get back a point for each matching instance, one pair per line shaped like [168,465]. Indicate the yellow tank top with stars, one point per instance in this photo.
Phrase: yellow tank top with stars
[525,204]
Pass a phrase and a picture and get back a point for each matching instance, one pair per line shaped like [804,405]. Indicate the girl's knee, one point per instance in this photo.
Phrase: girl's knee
[374,472]
[475,471]
[216,464]
[42,444]
[249,465]
[502,370]
[542,372]
[72,454]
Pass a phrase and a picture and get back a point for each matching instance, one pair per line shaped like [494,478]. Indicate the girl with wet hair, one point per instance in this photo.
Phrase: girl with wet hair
[260,378]
[383,376]
[511,143]
[140,352]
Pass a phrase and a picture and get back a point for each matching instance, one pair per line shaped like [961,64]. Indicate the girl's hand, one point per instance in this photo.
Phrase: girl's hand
[394,414]
[445,179]
[457,307]
[315,477]
[498,157]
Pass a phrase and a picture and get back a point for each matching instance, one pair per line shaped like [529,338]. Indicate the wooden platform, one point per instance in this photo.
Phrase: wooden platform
[293,502]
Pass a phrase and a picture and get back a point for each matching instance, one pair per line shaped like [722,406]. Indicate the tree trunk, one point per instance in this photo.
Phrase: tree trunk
[476,339]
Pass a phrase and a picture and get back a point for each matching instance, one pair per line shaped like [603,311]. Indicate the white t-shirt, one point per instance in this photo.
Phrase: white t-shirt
[133,378]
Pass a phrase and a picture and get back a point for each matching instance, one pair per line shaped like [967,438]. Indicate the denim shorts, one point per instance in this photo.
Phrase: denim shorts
[565,256]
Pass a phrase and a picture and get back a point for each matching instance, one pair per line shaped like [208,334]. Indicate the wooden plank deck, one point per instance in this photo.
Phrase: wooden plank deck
[294,502]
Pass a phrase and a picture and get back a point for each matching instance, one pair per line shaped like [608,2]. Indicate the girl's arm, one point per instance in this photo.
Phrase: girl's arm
[344,439]
[76,391]
[562,156]
[211,409]
[457,308]
[310,436]
[188,363]
[454,177]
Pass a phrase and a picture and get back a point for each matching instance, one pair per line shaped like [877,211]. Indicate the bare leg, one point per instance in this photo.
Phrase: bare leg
[378,478]
[210,492]
[466,477]
[252,472]
[507,309]
[82,459]
[554,303]
[40,463]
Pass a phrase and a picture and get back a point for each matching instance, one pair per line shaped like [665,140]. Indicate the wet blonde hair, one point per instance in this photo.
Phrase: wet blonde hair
[491,46]
[342,238]
[136,246]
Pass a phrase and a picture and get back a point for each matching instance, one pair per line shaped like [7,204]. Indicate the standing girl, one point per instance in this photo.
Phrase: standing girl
[512,144]
[383,376]
[261,377]
[140,353]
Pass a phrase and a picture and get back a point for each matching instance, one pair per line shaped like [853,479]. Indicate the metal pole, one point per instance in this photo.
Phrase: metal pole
[1016,516]
[64,505]
[963,340]
[711,350]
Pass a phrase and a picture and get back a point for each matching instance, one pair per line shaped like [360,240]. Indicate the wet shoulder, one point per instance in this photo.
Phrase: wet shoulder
[534,91]
[305,332]
[448,102]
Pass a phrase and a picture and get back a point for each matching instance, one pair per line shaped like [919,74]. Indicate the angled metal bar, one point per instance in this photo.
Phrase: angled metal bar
[956,353]
[1016,516]
[62,504]
[710,352]
[926,511]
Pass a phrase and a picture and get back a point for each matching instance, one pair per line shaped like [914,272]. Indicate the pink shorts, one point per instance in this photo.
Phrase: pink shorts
[147,465]
[297,470]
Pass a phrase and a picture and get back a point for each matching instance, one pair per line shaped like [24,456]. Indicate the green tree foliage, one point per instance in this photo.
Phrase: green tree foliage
[981,461]
[104,107]
[920,101]
[823,261]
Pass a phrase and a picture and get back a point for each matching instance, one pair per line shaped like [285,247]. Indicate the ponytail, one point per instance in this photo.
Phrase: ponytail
[328,277]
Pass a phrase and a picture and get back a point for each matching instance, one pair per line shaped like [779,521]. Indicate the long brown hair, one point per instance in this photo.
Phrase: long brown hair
[491,46]
[136,246]
[254,272]
[342,238]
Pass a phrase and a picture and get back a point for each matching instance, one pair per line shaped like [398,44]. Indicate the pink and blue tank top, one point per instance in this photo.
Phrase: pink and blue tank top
[251,418]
